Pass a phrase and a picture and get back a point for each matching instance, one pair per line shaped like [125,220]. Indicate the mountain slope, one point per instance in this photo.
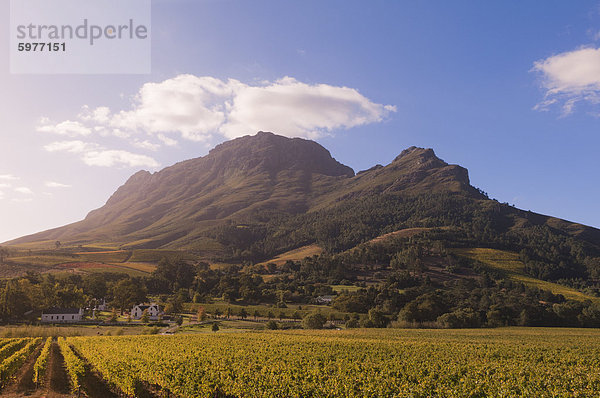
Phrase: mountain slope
[261,195]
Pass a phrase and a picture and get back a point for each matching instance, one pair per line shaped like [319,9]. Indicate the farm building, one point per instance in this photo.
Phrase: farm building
[325,299]
[153,311]
[62,315]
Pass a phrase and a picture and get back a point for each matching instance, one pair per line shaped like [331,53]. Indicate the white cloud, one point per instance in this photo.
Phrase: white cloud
[166,140]
[71,146]
[199,107]
[24,190]
[109,158]
[146,145]
[54,184]
[4,185]
[93,154]
[68,128]
[190,105]
[8,177]
[99,115]
[570,77]
[293,108]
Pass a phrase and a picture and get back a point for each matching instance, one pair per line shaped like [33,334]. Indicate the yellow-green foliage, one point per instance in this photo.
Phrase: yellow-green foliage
[75,366]
[45,260]
[116,256]
[154,256]
[141,267]
[348,288]
[8,348]
[296,254]
[11,364]
[39,368]
[359,363]
[511,264]
[264,309]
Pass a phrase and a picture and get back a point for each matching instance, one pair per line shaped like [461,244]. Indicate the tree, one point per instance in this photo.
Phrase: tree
[215,327]
[174,305]
[201,314]
[243,313]
[378,318]
[272,325]
[217,313]
[228,312]
[145,316]
[57,244]
[314,320]
[14,301]
[332,318]
[3,254]
[126,293]
[113,316]
[256,314]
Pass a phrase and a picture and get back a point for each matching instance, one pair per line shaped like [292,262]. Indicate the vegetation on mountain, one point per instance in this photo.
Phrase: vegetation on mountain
[418,244]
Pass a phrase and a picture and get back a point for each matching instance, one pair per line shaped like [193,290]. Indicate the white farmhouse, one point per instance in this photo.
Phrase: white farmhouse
[153,311]
[62,315]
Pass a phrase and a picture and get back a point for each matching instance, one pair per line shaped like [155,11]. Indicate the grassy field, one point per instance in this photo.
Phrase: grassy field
[155,255]
[117,256]
[296,254]
[510,362]
[73,330]
[513,267]
[348,288]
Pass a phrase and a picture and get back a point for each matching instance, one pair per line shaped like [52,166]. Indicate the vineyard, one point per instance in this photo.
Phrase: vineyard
[385,362]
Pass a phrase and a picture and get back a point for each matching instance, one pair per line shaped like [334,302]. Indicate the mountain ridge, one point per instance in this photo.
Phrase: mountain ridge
[262,177]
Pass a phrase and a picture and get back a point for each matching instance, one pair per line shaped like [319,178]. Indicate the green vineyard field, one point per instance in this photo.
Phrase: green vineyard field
[353,363]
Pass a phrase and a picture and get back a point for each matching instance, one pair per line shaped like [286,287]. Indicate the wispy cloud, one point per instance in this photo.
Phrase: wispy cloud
[569,78]
[8,177]
[54,184]
[109,158]
[74,146]
[24,190]
[94,154]
[68,128]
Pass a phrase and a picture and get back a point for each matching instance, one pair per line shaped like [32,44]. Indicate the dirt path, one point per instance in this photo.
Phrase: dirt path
[94,386]
[56,383]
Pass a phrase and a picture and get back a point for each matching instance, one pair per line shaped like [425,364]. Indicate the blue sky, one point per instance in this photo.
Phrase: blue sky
[510,90]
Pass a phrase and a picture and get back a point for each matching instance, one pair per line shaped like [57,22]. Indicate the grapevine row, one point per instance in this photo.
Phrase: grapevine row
[14,362]
[8,349]
[39,368]
[75,366]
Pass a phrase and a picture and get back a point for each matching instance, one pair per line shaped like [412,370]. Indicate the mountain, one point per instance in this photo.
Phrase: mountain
[255,196]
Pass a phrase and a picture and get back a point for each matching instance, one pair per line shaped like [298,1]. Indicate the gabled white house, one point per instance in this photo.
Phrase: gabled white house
[62,315]
[153,311]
